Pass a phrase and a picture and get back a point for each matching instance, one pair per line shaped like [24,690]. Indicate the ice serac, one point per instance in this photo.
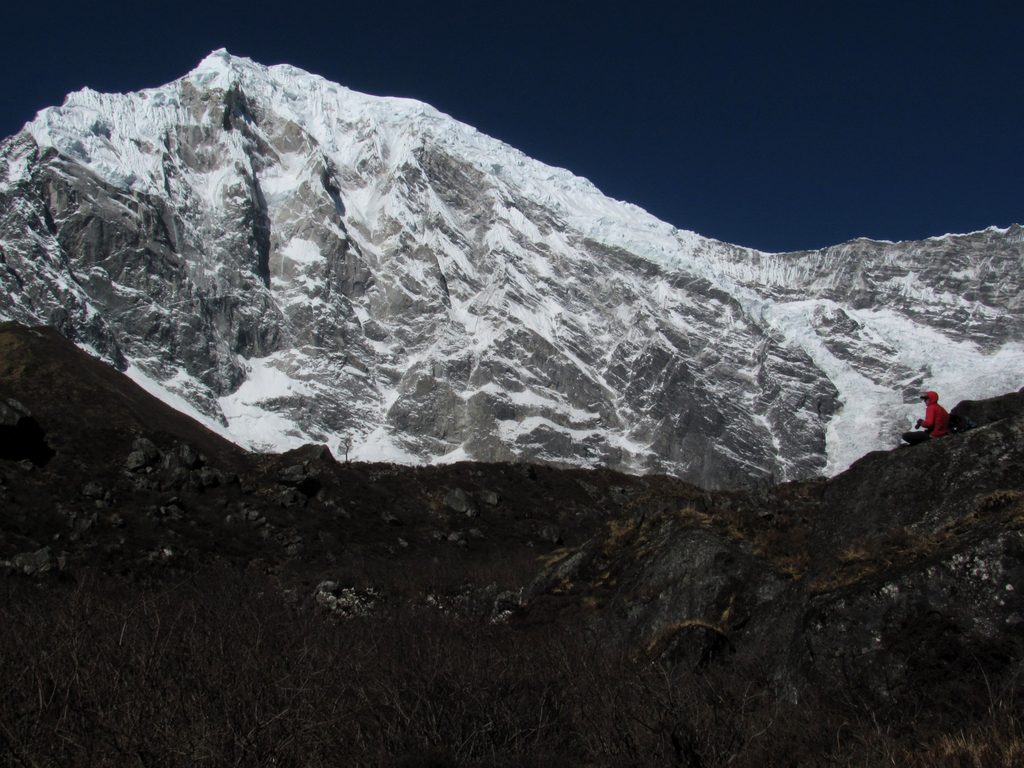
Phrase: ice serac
[301,262]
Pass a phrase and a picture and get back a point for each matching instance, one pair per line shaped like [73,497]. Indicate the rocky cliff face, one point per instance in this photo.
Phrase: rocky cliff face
[300,263]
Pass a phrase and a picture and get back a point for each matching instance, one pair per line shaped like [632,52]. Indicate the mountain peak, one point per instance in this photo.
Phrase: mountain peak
[220,69]
[220,57]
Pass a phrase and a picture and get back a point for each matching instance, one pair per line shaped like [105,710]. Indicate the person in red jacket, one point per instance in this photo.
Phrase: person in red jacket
[935,422]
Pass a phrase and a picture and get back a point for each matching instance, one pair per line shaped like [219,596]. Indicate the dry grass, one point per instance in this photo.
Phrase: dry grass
[554,557]
[787,551]
[866,559]
[222,669]
[996,742]
[667,634]
[854,554]
[621,531]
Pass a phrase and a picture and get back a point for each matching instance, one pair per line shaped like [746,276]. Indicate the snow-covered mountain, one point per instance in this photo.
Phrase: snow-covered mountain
[298,263]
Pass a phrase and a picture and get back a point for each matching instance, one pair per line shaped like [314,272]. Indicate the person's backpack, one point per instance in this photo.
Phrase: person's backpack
[959,422]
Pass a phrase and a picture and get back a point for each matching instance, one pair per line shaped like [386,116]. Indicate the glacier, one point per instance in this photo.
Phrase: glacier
[297,262]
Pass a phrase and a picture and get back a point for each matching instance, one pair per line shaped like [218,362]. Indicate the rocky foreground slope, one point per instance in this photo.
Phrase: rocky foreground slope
[906,572]
[300,263]
[903,573]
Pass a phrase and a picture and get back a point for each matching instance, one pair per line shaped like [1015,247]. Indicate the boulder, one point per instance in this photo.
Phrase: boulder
[188,457]
[983,412]
[458,538]
[301,477]
[37,563]
[12,412]
[94,490]
[144,453]
[292,497]
[347,602]
[550,533]
[458,500]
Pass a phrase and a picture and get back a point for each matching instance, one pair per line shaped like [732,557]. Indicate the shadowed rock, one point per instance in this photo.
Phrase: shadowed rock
[21,437]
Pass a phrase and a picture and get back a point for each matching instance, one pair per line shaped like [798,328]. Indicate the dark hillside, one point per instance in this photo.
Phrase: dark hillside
[170,599]
[88,408]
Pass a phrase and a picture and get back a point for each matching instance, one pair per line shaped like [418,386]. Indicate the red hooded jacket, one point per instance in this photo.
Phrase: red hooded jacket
[936,419]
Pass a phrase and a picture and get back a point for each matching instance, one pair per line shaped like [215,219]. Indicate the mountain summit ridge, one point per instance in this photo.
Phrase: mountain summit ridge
[303,263]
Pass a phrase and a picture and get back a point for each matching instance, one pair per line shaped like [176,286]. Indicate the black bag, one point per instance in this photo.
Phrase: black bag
[958,422]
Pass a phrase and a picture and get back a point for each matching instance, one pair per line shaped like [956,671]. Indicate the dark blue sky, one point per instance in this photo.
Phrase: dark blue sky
[776,125]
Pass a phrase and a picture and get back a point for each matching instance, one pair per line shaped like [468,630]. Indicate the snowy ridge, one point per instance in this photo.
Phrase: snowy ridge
[300,262]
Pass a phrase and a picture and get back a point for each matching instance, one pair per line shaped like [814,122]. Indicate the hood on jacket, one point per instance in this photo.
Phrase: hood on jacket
[930,398]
